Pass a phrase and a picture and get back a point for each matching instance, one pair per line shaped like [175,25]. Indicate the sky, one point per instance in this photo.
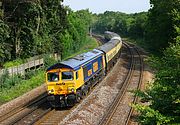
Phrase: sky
[100,6]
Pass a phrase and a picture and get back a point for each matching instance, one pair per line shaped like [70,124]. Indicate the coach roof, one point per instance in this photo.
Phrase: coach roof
[109,45]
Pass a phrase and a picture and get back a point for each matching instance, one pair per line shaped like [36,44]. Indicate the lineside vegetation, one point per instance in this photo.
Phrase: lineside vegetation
[39,27]
[12,87]
[46,26]
[157,30]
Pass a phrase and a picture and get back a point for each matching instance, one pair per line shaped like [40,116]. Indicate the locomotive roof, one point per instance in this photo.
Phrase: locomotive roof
[77,61]
[109,45]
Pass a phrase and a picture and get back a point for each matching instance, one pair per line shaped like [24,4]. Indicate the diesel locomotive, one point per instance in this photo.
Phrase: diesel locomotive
[68,81]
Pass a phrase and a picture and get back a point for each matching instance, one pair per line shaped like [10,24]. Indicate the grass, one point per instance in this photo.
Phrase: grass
[20,86]
[9,93]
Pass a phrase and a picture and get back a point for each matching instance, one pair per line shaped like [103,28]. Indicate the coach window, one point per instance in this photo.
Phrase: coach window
[77,76]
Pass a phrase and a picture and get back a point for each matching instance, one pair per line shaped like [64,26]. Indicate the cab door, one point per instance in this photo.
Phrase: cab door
[79,78]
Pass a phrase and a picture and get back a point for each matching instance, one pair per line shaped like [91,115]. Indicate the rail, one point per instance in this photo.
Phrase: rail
[106,119]
[17,114]
[139,86]
[111,111]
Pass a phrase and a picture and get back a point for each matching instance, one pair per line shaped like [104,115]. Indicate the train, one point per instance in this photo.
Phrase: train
[70,80]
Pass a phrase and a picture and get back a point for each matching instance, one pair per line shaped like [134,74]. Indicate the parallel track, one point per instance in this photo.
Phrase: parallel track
[110,113]
[138,87]
[32,113]
[35,115]
[17,114]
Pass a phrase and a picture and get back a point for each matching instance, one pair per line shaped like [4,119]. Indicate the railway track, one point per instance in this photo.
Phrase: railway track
[39,112]
[100,39]
[138,87]
[26,113]
[112,112]
[54,116]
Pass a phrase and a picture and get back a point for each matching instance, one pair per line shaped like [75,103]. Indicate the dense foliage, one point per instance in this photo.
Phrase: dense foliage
[29,28]
[76,33]
[163,94]
[127,25]
[160,24]
[4,46]
[159,29]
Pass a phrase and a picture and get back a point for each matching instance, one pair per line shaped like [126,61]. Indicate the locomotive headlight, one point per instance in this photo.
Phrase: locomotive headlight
[51,91]
[71,90]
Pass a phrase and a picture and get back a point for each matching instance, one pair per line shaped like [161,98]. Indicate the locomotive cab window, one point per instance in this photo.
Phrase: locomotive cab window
[67,75]
[53,77]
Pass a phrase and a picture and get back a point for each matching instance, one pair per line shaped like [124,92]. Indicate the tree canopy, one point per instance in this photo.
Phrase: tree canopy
[127,25]
[37,27]
[163,94]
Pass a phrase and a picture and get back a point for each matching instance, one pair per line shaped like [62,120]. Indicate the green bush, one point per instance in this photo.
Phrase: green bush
[48,61]
[150,116]
[30,74]
[13,63]
[163,94]
[17,86]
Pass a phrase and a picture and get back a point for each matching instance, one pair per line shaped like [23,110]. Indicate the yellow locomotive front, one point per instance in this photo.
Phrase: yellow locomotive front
[63,83]
[60,82]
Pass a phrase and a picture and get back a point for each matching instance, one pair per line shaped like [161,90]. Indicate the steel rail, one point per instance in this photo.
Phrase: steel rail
[106,119]
[44,118]
[138,87]
[17,114]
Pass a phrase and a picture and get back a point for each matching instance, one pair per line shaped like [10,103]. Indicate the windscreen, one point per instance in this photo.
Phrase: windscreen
[67,75]
[53,77]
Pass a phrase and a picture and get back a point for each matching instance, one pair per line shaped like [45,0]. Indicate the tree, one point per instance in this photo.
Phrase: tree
[35,26]
[138,25]
[76,33]
[4,45]
[163,94]
[160,29]
[127,25]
